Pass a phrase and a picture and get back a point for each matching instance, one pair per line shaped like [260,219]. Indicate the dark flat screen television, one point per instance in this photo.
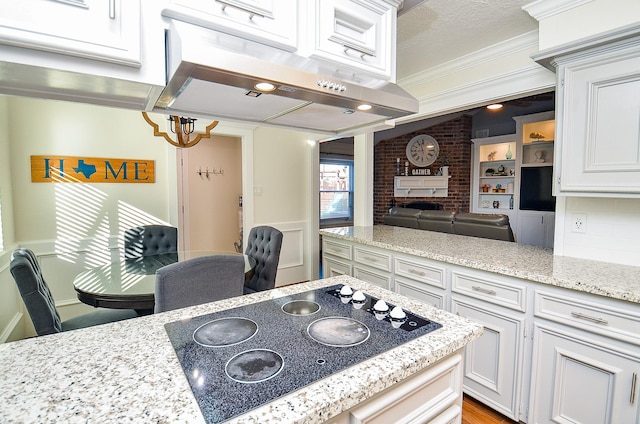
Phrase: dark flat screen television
[536,189]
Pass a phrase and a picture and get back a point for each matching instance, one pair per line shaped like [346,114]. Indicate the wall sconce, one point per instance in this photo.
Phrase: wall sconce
[183,128]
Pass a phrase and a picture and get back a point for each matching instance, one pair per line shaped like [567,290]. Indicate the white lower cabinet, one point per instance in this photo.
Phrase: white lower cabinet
[493,363]
[373,276]
[416,290]
[336,258]
[373,266]
[430,396]
[332,267]
[579,378]
[421,279]
[547,354]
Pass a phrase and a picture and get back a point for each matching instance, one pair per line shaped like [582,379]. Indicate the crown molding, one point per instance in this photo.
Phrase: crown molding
[526,42]
[543,9]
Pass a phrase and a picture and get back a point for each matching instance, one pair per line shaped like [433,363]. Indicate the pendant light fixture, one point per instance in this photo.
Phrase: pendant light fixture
[183,128]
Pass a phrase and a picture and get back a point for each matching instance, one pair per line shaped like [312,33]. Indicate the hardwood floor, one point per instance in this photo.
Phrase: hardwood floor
[473,412]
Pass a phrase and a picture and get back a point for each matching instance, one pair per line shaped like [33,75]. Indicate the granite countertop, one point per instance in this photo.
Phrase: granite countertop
[511,259]
[128,371]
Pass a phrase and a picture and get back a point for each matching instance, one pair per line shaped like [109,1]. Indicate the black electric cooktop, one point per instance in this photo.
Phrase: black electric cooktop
[238,359]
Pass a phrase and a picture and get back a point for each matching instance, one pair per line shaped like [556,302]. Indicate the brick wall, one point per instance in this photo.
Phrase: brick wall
[454,139]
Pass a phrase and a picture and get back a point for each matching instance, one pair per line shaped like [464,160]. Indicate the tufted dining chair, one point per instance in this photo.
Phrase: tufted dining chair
[40,303]
[264,246]
[148,240]
[198,280]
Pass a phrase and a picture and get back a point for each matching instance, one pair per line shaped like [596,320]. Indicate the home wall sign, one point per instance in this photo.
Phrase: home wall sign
[81,169]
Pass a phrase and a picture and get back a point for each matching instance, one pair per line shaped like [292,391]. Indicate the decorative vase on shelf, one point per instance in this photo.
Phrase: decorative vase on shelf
[508,155]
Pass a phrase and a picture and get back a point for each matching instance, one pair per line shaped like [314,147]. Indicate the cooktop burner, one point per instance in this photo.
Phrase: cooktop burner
[338,331]
[300,307]
[238,359]
[225,332]
[254,366]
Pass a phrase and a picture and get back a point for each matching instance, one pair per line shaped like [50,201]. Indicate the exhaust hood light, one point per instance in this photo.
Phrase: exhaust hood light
[364,107]
[494,106]
[264,86]
[183,128]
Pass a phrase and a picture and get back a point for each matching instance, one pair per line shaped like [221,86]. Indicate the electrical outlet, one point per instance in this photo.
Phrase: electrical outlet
[579,223]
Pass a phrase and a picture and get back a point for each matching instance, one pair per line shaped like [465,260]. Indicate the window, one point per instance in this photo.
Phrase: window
[336,191]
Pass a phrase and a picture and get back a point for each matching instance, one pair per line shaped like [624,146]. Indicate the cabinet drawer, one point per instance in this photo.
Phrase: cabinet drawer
[419,271]
[335,248]
[380,279]
[373,258]
[332,267]
[264,21]
[588,315]
[498,292]
[421,292]
[433,394]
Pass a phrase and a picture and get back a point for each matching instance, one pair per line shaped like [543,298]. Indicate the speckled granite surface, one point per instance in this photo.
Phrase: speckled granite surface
[527,262]
[129,372]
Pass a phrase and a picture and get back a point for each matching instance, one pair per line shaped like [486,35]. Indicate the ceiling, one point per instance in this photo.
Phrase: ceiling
[433,32]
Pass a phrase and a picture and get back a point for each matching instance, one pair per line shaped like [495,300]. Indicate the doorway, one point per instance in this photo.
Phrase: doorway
[212,194]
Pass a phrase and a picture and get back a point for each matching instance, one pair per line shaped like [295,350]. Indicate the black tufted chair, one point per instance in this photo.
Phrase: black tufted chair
[40,304]
[264,246]
[148,240]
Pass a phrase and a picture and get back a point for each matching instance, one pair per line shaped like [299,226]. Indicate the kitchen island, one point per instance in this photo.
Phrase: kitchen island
[129,371]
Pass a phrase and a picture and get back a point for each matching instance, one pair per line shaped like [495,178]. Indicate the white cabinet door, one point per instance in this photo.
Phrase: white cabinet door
[599,134]
[358,34]
[576,380]
[536,228]
[492,367]
[332,267]
[107,30]
[272,22]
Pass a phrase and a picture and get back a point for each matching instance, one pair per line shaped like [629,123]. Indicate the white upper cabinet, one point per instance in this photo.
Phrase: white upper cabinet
[272,22]
[107,30]
[360,35]
[597,142]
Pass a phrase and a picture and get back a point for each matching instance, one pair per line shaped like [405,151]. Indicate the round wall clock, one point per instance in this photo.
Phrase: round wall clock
[422,150]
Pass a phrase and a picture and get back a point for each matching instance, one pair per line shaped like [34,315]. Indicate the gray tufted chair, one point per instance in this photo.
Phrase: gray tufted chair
[264,246]
[40,304]
[150,240]
[198,280]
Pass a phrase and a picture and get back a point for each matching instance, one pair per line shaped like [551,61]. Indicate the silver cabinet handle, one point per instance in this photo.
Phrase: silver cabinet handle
[370,259]
[483,290]
[112,9]
[634,383]
[362,50]
[585,317]
[416,272]
[250,10]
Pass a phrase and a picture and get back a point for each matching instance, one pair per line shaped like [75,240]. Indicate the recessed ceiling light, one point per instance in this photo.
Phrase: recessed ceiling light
[265,86]
[364,107]
[494,106]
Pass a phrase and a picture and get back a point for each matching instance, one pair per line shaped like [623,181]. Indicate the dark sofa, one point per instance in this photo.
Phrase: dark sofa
[492,226]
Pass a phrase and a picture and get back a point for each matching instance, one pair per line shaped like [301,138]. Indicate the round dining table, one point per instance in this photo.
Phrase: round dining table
[129,283]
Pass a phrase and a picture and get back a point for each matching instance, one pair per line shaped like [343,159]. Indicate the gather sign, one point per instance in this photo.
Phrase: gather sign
[80,169]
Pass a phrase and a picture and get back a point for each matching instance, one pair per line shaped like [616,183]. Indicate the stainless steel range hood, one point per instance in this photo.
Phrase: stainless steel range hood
[213,75]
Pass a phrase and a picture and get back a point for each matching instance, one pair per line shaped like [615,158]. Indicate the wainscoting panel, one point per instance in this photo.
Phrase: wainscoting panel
[292,267]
